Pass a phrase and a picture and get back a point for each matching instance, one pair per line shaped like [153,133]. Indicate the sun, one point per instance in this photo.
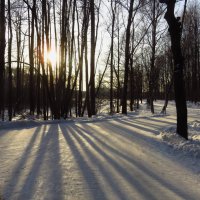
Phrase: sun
[52,57]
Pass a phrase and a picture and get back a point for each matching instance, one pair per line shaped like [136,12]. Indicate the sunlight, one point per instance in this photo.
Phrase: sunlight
[52,57]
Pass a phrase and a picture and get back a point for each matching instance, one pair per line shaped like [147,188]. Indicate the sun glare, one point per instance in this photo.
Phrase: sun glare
[52,57]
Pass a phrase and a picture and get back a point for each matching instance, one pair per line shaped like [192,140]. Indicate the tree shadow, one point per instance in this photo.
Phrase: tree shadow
[88,148]
[153,175]
[18,169]
[44,170]
[77,148]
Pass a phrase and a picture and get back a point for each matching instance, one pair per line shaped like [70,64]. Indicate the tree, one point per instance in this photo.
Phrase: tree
[175,30]
[92,58]
[127,58]
[10,35]
[113,8]
[2,56]
[190,43]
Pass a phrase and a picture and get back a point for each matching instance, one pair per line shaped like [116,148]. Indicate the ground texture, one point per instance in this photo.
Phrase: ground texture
[111,158]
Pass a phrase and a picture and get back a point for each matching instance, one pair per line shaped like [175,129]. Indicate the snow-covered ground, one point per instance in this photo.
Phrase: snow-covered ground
[131,157]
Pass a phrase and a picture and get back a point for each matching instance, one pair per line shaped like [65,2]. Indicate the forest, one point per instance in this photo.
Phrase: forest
[61,59]
[99,99]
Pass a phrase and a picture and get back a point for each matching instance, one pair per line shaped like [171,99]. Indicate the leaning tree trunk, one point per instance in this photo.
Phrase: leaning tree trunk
[175,29]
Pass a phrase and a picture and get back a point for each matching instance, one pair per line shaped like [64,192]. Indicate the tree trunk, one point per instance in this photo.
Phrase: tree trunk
[92,58]
[18,37]
[152,67]
[31,57]
[127,59]
[2,56]
[10,35]
[175,30]
[113,7]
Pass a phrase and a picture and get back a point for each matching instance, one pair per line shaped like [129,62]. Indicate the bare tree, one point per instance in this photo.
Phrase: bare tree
[127,58]
[10,36]
[92,58]
[2,56]
[175,30]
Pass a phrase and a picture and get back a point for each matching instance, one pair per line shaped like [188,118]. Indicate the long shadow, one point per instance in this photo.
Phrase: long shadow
[121,130]
[119,167]
[140,126]
[114,165]
[18,169]
[149,123]
[164,121]
[88,174]
[89,131]
[55,176]
[18,125]
[137,139]
[83,139]
[166,149]
[51,175]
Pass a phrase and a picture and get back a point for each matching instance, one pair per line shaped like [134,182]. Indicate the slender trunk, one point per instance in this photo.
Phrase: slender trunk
[92,58]
[152,67]
[44,77]
[118,64]
[18,92]
[131,84]
[10,35]
[38,75]
[2,56]
[71,53]
[31,57]
[113,7]
[127,58]
[87,100]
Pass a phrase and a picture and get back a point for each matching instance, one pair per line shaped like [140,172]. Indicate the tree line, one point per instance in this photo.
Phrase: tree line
[119,51]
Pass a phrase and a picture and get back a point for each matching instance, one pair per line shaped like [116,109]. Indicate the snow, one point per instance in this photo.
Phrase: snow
[190,147]
[117,157]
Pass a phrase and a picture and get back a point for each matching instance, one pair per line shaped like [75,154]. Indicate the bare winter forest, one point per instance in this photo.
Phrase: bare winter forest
[99,99]
[66,58]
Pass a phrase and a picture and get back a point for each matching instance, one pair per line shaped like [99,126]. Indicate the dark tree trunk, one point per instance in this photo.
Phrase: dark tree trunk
[87,79]
[38,76]
[175,30]
[71,53]
[127,59]
[92,72]
[10,35]
[31,56]
[113,7]
[118,64]
[168,90]
[152,67]
[131,85]
[18,95]
[2,56]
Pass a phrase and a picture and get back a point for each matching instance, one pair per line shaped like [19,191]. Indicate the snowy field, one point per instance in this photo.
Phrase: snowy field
[132,157]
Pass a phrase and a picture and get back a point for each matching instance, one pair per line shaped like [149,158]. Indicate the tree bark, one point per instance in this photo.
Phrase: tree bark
[10,36]
[113,7]
[175,30]
[2,56]
[92,58]
[31,57]
[127,58]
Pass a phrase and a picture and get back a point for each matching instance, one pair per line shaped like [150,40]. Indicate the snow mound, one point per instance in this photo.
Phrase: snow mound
[191,146]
